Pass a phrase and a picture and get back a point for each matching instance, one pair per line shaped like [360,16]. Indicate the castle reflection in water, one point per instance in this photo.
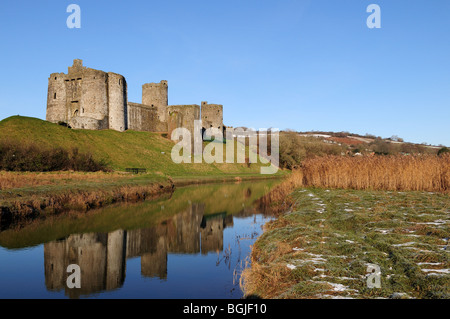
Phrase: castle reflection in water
[102,256]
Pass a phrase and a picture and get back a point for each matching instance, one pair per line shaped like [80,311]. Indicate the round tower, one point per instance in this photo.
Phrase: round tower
[90,100]
[56,98]
[117,97]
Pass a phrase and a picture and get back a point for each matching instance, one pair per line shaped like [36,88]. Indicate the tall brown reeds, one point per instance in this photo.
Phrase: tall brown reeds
[10,180]
[415,173]
[278,200]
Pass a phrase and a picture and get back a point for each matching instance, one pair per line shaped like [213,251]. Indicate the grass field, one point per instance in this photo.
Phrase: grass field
[119,149]
[27,194]
[322,247]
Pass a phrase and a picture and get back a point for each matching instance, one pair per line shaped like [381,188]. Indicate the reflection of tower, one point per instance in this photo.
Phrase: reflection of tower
[179,234]
[212,232]
[133,243]
[154,264]
[152,248]
[115,259]
[101,258]
[55,272]
[187,227]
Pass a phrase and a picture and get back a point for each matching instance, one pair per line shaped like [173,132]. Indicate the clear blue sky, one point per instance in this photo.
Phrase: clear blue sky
[303,65]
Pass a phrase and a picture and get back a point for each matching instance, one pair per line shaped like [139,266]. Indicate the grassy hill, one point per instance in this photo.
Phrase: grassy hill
[119,149]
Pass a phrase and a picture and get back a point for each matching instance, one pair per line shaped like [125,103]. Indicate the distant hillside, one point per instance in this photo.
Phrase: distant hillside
[369,143]
[120,149]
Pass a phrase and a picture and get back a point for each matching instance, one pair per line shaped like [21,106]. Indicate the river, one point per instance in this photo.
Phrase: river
[192,244]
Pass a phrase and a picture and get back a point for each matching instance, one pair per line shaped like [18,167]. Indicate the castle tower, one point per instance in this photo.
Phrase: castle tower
[117,97]
[156,95]
[56,98]
[87,98]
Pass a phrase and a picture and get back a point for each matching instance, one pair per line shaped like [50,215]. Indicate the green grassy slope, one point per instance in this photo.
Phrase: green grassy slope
[120,149]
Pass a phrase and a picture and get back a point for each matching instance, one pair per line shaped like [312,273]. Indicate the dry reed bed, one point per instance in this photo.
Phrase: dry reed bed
[278,201]
[415,173]
[9,180]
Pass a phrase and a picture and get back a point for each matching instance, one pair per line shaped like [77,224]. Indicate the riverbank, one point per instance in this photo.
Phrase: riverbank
[197,180]
[133,245]
[322,246]
[25,196]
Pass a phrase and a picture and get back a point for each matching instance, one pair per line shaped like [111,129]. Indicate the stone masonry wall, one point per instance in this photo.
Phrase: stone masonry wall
[117,101]
[86,98]
[182,116]
[156,94]
[56,98]
[212,116]
[144,118]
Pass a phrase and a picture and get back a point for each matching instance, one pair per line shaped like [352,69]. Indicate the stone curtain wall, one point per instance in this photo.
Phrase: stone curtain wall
[142,117]
[212,116]
[182,116]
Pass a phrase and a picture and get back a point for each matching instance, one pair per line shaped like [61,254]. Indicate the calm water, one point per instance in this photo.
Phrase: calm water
[191,244]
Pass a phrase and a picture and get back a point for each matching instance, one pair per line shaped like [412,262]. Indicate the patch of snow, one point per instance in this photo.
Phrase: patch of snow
[437,222]
[336,287]
[434,274]
[336,297]
[319,269]
[443,271]
[291,267]
[347,278]
[419,250]
[404,244]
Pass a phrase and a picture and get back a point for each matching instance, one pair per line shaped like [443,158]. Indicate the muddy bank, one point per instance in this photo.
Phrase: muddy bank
[83,200]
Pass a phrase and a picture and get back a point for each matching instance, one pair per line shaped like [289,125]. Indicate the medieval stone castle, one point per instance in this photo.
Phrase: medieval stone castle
[86,98]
